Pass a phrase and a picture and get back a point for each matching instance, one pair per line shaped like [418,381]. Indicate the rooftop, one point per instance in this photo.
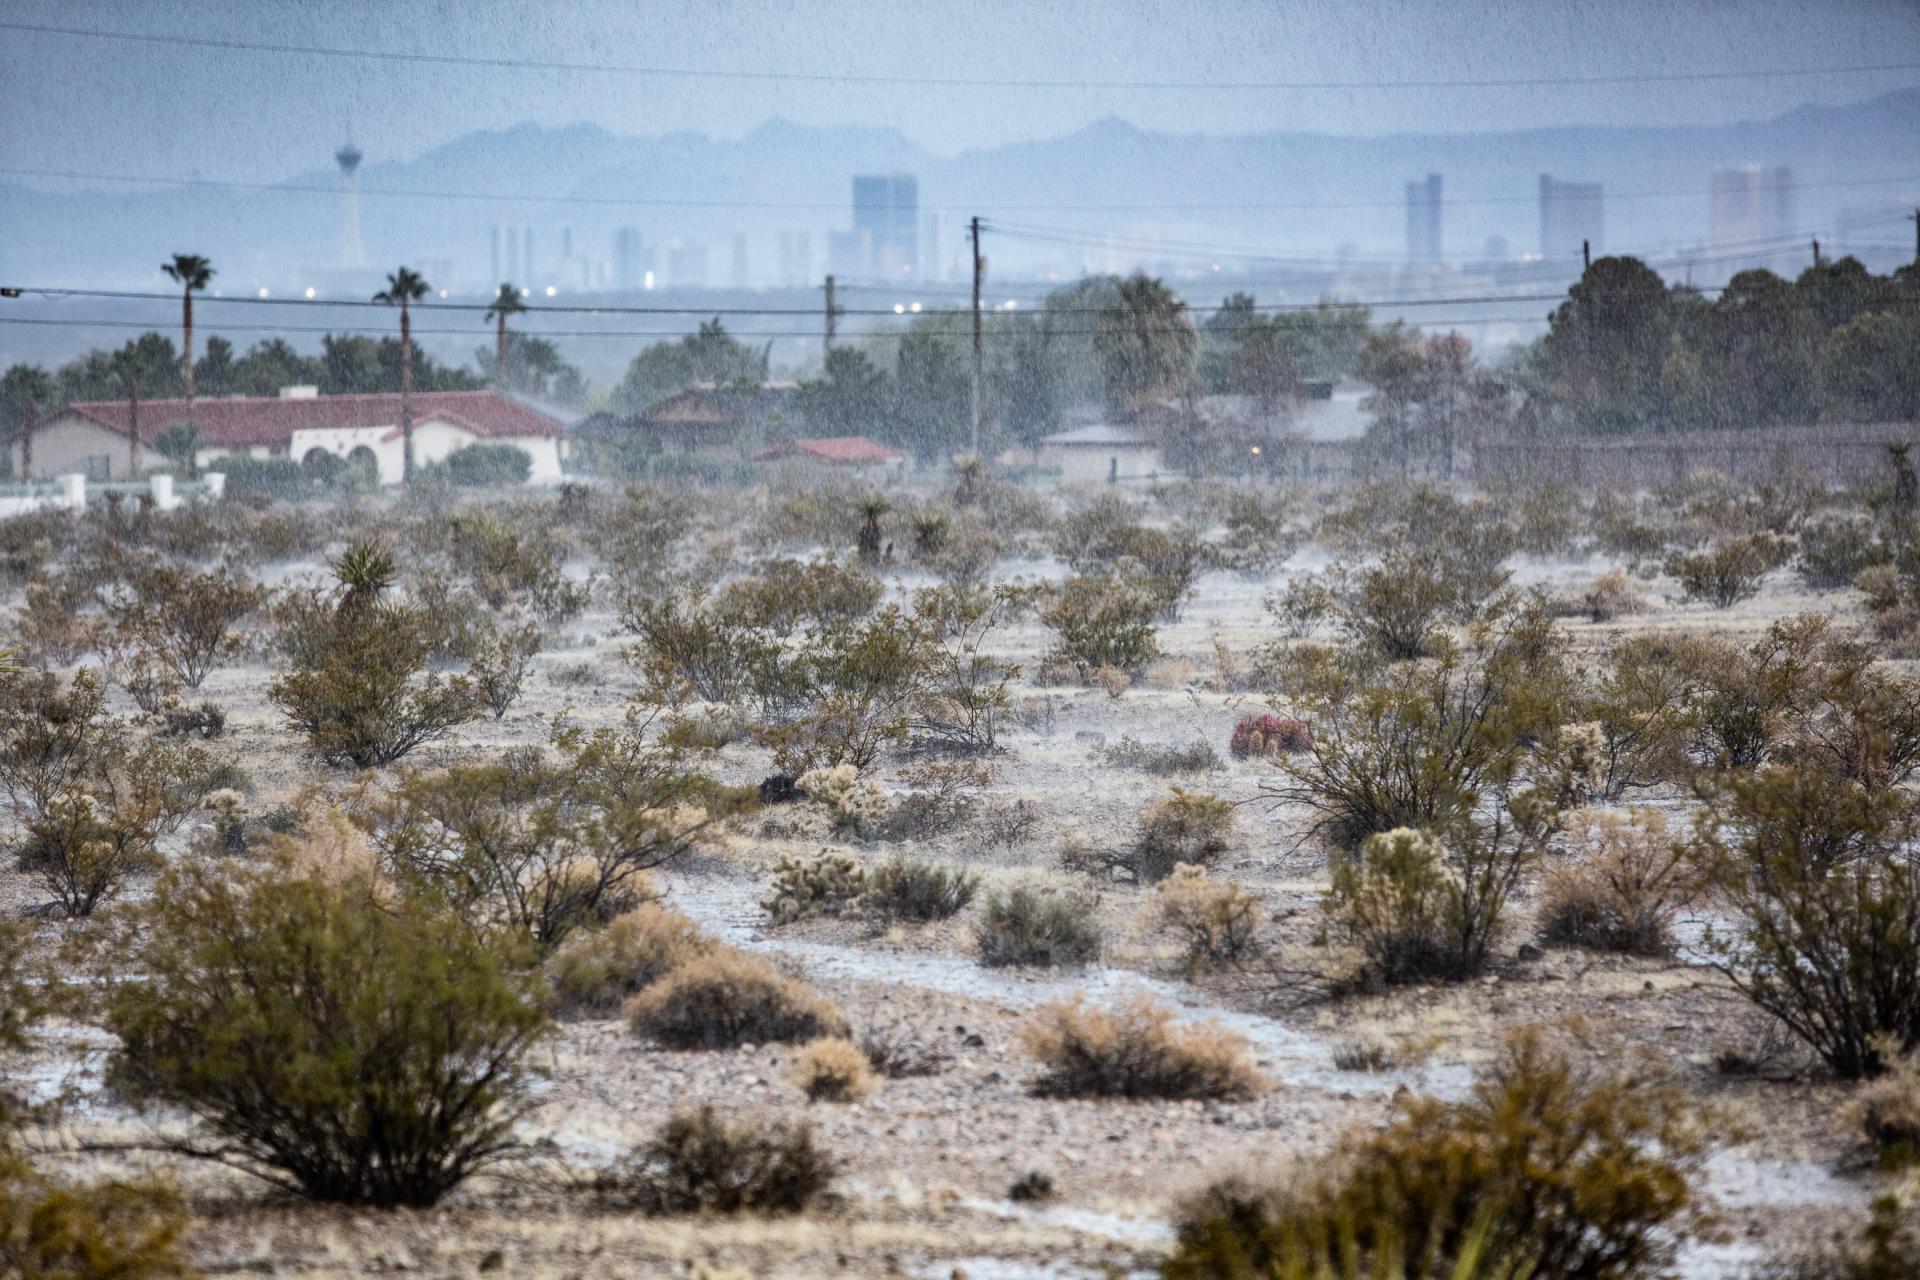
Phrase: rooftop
[263,420]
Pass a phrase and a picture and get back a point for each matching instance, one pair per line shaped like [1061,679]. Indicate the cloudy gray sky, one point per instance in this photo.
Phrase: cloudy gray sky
[97,104]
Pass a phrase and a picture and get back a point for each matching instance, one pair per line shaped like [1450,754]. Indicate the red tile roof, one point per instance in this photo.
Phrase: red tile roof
[847,449]
[252,420]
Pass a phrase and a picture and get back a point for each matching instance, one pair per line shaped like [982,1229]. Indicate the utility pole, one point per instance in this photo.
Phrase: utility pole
[833,313]
[1586,255]
[1816,251]
[1916,237]
[979,269]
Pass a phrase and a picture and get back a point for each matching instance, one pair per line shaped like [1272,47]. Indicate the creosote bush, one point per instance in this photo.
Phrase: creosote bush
[331,1038]
[1026,927]
[1102,622]
[1135,1051]
[186,618]
[1190,827]
[1732,571]
[701,1163]
[909,889]
[358,687]
[833,1069]
[726,999]
[1574,1175]
[1820,872]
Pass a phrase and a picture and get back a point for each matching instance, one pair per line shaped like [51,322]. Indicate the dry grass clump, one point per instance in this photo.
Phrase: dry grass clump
[595,972]
[1217,923]
[700,1163]
[1025,927]
[726,999]
[833,1069]
[1622,895]
[1887,1109]
[1135,1051]
[108,1230]
[1197,756]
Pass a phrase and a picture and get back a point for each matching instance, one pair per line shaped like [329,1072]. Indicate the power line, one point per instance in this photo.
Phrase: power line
[988,82]
[423,193]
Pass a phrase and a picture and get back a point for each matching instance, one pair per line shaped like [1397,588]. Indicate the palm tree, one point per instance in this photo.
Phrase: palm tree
[191,272]
[25,392]
[404,286]
[505,303]
[131,367]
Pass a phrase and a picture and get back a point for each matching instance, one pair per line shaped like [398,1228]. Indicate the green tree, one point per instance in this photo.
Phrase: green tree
[852,399]
[190,272]
[931,386]
[1028,385]
[26,393]
[1146,344]
[1870,372]
[404,287]
[213,373]
[272,364]
[1606,348]
[134,365]
[667,368]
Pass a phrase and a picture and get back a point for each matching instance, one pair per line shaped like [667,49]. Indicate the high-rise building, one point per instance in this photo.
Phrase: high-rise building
[796,259]
[353,257]
[1572,217]
[687,264]
[887,208]
[740,260]
[632,258]
[1423,219]
[1753,212]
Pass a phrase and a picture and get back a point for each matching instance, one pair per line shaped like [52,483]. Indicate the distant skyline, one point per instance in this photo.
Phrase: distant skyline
[102,105]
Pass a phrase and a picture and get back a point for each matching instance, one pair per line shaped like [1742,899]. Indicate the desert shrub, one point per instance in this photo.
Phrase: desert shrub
[726,999]
[1024,927]
[1218,924]
[52,625]
[1612,595]
[184,618]
[1399,606]
[1731,571]
[1420,744]
[1257,737]
[1135,1051]
[330,1039]
[512,565]
[694,648]
[456,621]
[1622,896]
[1819,872]
[1031,1187]
[699,1163]
[896,1050]
[853,804]
[1886,1110]
[942,795]
[1836,548]
[908,889]
[477,465]
[500,667]
[102,1230]
[1640,700]
[1423,906]
[264,478]
[596,971]
[1189,827]
[539,845]
[83,850]
[1303,604]
[1197,756]
[833,1069]
[1101,622]
[783,594]
[846,696]
[827,884]
[363,695]
[1566,1172]
[1886,1248]
[1743,700]
[965,699]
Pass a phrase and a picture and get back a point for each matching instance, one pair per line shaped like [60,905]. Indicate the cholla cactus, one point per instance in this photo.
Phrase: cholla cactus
[229,810]
[824,885]
[853,802]
[1575,765]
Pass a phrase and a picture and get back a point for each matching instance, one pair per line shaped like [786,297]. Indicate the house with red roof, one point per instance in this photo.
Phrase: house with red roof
[836,451]
[92,437]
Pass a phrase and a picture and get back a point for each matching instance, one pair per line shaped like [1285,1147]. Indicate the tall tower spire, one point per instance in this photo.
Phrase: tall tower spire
[352,256]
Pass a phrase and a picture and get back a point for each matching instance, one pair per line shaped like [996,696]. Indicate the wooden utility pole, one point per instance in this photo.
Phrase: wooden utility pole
[1916,236]
[979,269]
[1816,251]
[833,313]
[1586,254]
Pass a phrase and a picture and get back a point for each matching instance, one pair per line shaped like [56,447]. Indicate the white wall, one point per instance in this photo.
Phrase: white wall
[63,444]
[1087,465]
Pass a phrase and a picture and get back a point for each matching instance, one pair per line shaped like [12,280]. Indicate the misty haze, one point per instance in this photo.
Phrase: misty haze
[960,640]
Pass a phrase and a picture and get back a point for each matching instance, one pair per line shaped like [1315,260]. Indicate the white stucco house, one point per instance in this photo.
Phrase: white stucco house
[1102,454]
[90,437]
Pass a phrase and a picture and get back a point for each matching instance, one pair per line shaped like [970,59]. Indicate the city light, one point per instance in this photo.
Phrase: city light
[551,291]
[648,282]
[914,307]
[310,291]
[526,293]
[443,293]
[263,293]
[898,309]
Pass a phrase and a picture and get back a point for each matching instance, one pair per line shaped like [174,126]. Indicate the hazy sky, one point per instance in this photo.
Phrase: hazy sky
[84,103]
